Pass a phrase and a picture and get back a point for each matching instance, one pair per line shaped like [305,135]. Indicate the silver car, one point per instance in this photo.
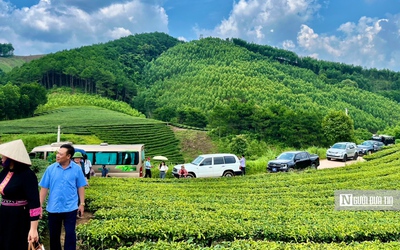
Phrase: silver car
[342,151]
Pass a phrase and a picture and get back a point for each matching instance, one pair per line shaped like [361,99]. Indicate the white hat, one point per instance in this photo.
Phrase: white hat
[16,151]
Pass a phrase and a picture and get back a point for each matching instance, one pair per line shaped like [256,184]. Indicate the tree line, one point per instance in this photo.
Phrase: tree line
[6,49]
[20,102]
[112,70]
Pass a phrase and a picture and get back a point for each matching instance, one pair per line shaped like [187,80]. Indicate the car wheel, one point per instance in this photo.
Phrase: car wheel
[344,158]
[328,158]
[290,170]
[355,156]
[228,174]
[190,175]
[313,166]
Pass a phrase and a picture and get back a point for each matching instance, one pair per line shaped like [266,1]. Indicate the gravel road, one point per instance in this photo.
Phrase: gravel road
[337,163]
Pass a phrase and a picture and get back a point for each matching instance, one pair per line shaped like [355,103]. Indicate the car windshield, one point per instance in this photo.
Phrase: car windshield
[339,146]
[367,143]
[285,156]
[197,160]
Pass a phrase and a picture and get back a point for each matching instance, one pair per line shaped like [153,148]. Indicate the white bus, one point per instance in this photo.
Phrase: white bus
[125,160]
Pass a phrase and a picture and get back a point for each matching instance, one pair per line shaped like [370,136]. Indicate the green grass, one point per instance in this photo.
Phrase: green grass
[8,63]
[194,143]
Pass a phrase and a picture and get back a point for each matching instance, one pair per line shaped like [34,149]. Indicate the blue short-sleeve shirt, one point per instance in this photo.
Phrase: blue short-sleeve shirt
[63,186]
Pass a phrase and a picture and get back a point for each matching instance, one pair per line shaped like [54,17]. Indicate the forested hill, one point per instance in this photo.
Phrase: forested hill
[111,69]
[229,85]
[210,73]
[384,82]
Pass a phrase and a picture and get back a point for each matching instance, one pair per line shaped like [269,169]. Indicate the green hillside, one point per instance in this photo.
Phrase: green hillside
[111,70]
[8,63]
[107,125]
[211,72]
[230,87]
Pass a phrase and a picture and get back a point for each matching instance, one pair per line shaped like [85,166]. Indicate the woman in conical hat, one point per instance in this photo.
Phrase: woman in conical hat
[20,206]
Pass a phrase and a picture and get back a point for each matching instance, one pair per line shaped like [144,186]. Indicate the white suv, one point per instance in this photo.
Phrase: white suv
[211,165]
[342,151]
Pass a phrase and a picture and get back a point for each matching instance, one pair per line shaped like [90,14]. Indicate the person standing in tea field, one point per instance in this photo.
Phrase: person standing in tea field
[243,164]
[163,170]
[20,206]
[88,167]
[148,167]
[66,183]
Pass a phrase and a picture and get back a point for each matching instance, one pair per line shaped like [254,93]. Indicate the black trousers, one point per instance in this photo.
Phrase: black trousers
[55,221]
[148,173]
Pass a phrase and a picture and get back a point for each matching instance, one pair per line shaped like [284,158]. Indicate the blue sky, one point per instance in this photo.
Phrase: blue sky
[359,32]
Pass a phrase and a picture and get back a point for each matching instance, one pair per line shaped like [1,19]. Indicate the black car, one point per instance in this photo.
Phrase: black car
[292,160]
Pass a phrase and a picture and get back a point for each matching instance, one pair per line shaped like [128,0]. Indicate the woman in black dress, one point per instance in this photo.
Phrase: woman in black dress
[20,206]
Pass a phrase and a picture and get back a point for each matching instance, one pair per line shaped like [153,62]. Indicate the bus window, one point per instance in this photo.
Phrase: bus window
[106,158]
[37,155]
[90,156]
[126,158]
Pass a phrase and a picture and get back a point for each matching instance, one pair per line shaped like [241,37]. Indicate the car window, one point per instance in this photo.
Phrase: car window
[197,160]
[207,161]
[229,159]
[339,146]
[219,160]
[351,146]
[285,156]
[303,155]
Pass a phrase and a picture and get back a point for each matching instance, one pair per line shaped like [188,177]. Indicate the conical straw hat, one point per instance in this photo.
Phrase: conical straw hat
[16,151]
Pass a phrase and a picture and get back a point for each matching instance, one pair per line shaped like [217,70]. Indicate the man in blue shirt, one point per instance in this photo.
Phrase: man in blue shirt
[147,165]
[66,183]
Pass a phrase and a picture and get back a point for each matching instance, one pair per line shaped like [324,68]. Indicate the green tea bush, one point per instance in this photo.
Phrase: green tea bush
[262,245]
[263,211]
[57,100]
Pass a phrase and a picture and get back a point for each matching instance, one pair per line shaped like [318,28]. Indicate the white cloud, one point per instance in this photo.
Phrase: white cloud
[181,38]
[370,43]
[347,28]
[288,45]
[118,33]
[261,21]
[55,25]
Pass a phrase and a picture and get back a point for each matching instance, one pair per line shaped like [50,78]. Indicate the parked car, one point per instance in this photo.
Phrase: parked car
[386,139]
[370,146]
[211,165]
[342,151]
[292,160]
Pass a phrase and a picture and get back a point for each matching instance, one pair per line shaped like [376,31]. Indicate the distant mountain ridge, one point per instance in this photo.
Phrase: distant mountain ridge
[8,63]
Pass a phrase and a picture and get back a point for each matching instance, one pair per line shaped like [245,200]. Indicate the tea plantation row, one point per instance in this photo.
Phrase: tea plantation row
[115,128]
[266,211]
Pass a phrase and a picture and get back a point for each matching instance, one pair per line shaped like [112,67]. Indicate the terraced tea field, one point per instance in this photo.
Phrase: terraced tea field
[109,126]
[264,211]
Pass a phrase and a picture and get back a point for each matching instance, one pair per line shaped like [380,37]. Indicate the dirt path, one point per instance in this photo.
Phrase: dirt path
[337,163]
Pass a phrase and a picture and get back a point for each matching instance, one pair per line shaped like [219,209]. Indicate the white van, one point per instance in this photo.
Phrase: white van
[211,165]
